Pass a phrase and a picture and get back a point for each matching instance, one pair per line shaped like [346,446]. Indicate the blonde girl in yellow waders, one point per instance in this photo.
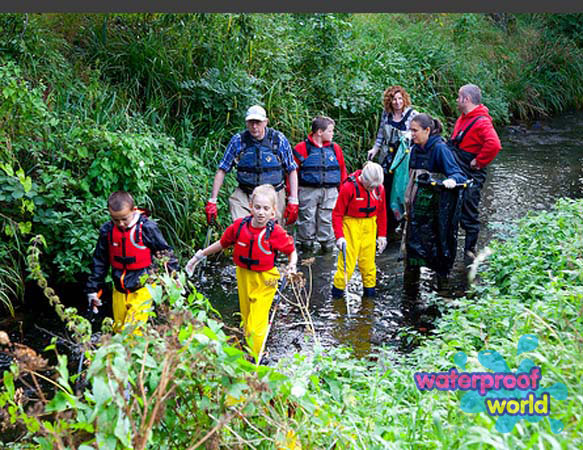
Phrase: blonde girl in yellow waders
[256,240]
[359,220]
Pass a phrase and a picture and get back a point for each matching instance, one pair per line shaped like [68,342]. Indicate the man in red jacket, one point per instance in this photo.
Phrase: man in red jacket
[475,144]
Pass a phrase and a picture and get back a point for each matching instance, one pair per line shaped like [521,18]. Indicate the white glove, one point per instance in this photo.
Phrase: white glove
[341,242]
[449,183]
[94,301]
[372,153]
[198,257]
[291,268]
[381,244]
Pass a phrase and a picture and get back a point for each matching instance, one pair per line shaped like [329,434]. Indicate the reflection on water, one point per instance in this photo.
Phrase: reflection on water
[533,170]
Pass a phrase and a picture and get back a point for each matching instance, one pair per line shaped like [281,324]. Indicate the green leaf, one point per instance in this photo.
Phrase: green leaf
[60,402]
[101,391]
[9,383]
[122,429]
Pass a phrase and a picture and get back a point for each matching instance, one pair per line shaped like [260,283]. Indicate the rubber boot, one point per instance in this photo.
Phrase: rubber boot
[337,293]
[470,248]
[369,292]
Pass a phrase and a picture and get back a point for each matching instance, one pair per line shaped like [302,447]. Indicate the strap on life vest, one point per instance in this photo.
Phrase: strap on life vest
[248,260]
[457,140]
[368,209]
[401,124]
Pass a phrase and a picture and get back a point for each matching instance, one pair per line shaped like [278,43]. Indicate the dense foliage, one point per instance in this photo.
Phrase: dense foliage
[147,102]
[187,383]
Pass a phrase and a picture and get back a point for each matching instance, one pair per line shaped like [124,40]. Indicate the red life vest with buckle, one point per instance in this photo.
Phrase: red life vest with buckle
[252,250]
[363,203]
[127,250]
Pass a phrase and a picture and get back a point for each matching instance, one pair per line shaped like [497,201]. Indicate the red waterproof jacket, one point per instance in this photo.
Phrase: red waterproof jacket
[256,248]
[355,201]
[482,139]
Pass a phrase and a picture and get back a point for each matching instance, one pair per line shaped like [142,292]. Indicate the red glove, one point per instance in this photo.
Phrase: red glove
[211,211]
[291,213]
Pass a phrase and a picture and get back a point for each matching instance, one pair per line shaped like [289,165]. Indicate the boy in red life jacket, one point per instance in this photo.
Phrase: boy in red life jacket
[256,239]
[358,218]
[126,243]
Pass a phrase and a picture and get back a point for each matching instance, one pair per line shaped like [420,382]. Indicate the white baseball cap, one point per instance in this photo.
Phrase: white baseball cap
[256,112]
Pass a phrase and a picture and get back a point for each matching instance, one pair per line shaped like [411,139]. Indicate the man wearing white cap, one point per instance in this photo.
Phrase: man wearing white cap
[262,156]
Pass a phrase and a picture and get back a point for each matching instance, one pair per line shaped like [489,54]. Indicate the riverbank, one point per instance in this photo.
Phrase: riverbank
[530,285]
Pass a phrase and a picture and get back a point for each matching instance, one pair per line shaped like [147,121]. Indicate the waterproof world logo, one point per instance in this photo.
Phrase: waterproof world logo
[510,396]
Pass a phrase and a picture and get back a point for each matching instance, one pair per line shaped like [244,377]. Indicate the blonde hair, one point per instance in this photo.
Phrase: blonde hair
[372,174]
[265,189]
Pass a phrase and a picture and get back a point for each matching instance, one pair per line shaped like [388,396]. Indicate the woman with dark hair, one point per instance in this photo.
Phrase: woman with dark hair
[395,121]
[432,204]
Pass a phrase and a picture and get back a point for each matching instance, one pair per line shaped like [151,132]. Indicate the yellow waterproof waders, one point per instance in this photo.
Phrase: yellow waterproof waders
[255,297]
[361,235]
[131,309]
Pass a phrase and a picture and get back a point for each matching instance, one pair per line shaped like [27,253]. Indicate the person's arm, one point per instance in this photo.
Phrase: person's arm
[341,163]
[217,183]
[293,185]
[100,262]
[379,139]
[225,166]
[154,240]
[227,239]
[490,147]
[292,262]
[450,167]
[215,247]
[340,209]
[281,241]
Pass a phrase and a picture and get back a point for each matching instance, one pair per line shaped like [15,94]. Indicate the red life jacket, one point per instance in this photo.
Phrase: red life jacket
[364,203]
[127,250]
[253,251]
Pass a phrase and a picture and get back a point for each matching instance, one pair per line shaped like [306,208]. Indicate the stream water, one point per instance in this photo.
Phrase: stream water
[535,167]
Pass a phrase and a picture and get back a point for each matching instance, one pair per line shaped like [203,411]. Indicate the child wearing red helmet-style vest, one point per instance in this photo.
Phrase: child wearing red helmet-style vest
[126,244]
[256,240]
[360,222]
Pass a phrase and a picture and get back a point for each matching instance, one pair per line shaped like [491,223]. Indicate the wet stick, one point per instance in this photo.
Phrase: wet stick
[345,280]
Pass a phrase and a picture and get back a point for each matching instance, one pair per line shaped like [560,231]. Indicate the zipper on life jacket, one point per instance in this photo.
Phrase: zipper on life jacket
[250,260]
[123,252]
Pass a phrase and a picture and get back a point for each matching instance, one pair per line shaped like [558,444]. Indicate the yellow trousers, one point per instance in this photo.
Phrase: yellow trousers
[131,309]
[256,292]
[361,235]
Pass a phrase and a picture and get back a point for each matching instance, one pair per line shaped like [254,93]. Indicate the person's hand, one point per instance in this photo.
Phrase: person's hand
[190,265]
[291,268]
[381,244]
[474,164]
[211,211]
[94,301]
[372,153]
[340,243]
[449,183]
[291,211]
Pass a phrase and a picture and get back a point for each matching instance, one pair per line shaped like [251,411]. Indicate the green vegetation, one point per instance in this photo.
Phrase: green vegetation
[147,102]
[186,382]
